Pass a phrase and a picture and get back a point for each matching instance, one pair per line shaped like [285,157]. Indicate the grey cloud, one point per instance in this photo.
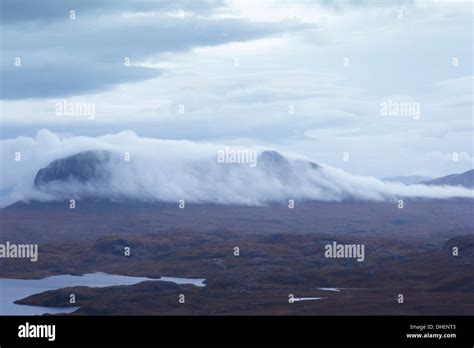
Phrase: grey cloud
[62,58]
[67,79]
[20,11]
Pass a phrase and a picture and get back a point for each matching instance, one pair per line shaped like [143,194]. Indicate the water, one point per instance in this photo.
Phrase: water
[297,299]
[16,289]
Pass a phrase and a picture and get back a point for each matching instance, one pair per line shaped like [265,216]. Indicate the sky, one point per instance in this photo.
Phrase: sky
[379,88]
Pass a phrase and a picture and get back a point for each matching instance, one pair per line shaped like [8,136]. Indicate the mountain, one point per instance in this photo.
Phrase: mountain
[272,157]
[465,179]
[274,177]
[82,167]
[408,180]
[275,160]
[93,167]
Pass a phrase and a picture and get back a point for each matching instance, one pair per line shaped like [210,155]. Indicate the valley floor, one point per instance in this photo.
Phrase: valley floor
[270,265]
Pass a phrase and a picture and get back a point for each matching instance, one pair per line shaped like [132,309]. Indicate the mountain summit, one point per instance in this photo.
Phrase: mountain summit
[465,179]
[83,167]
[169,176]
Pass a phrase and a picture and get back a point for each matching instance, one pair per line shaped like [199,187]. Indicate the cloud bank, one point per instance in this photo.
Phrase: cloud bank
[171,170]
[308,77]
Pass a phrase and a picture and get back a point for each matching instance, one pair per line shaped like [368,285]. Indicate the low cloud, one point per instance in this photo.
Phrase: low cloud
[170,170]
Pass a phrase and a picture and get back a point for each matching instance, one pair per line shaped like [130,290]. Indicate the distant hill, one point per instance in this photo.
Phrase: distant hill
[82,167]
[465,179]
[102,177]
[408,180]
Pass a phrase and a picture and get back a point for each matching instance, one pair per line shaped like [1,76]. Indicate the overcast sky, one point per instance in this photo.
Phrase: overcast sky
[309,77]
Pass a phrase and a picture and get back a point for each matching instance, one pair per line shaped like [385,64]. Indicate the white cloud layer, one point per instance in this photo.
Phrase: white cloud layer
[170,170]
